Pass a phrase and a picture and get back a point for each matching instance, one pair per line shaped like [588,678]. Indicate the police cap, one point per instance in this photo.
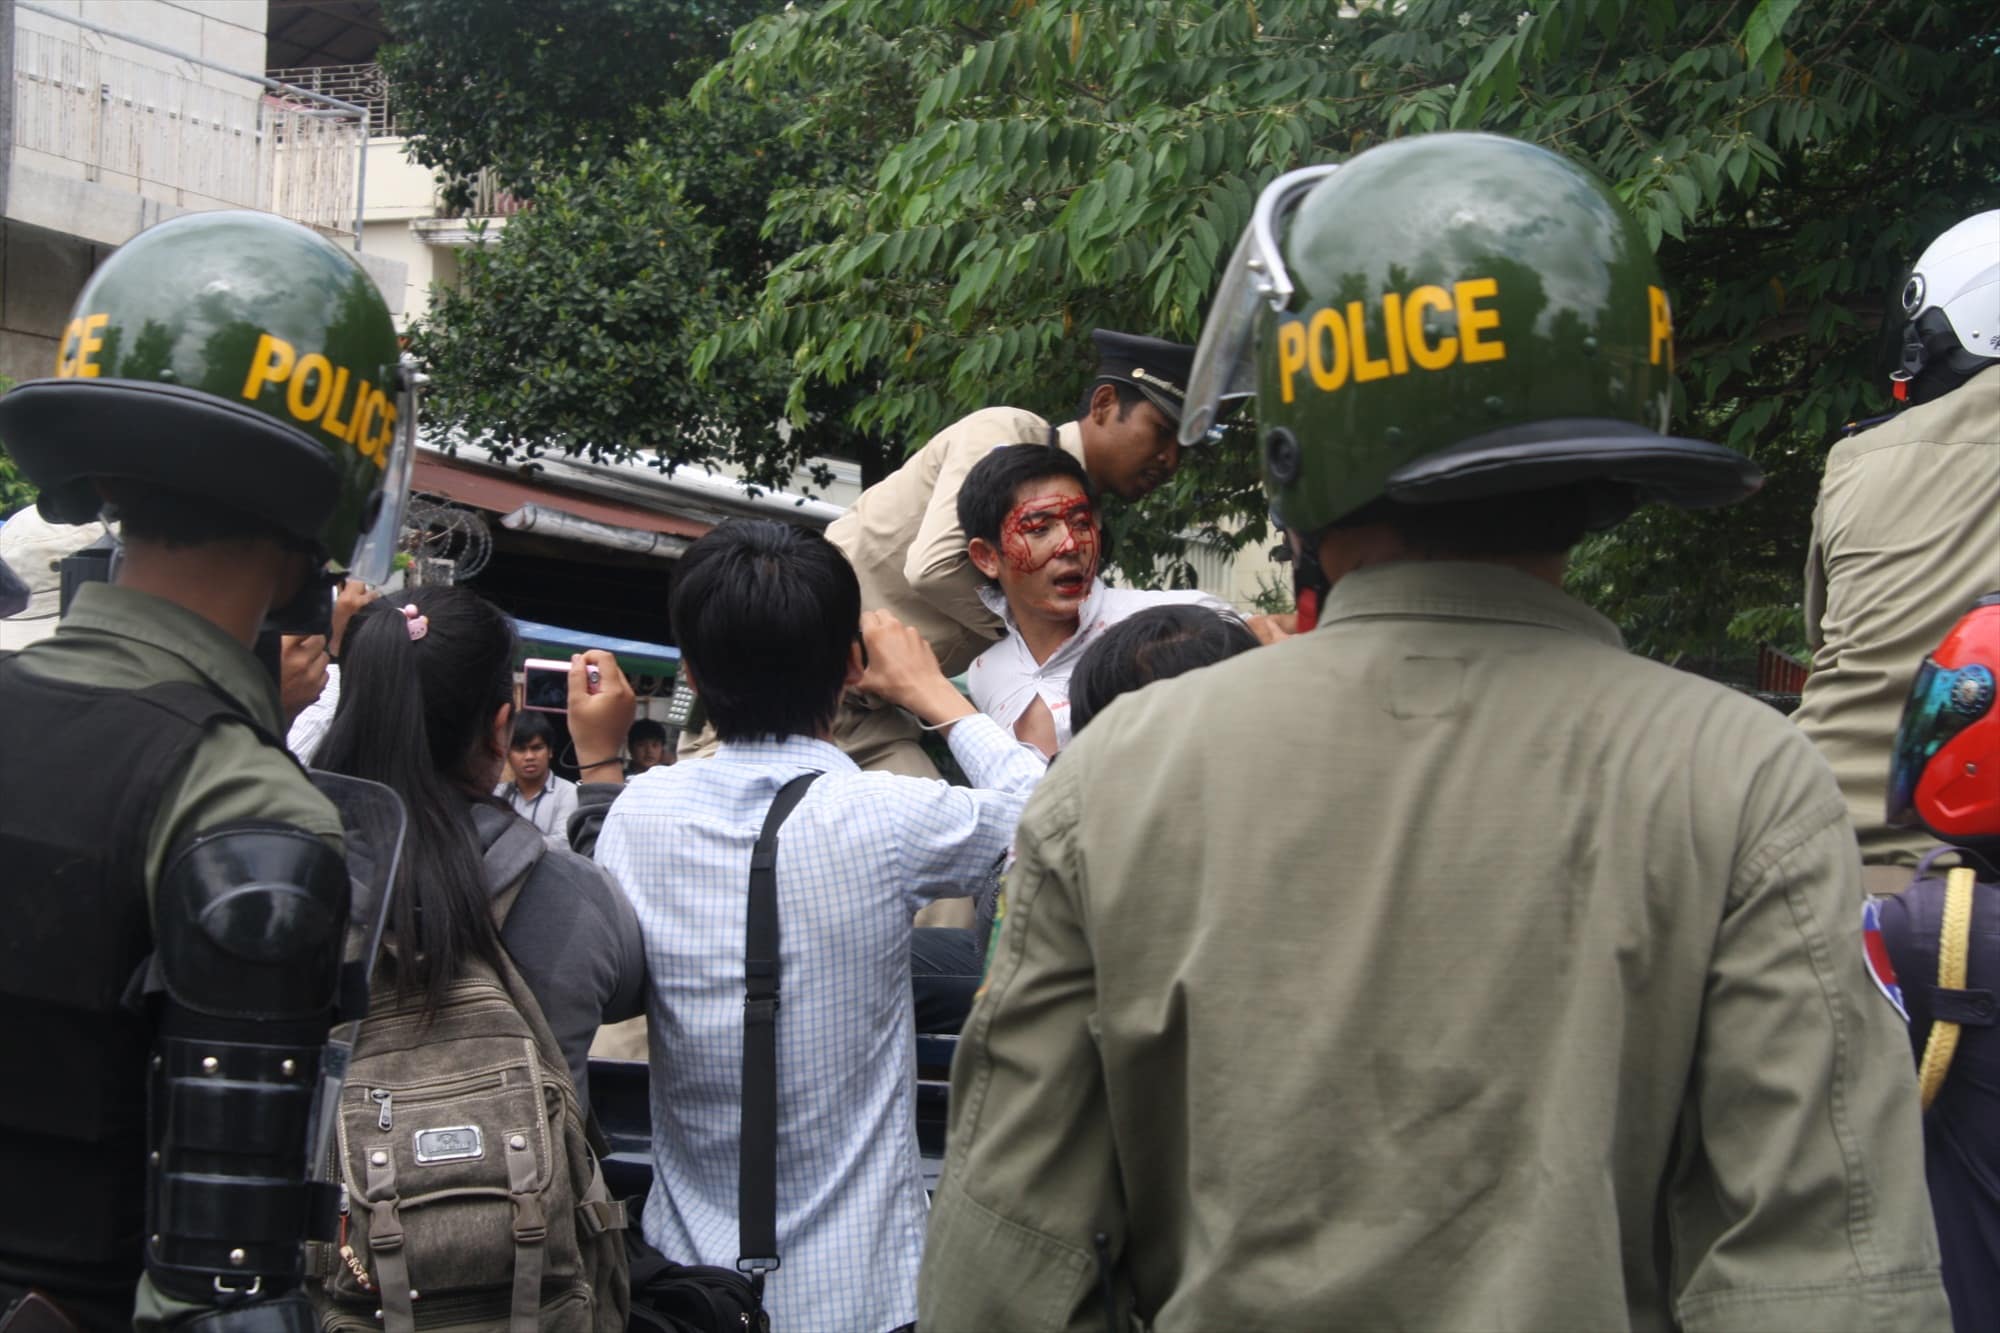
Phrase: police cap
[1155,367]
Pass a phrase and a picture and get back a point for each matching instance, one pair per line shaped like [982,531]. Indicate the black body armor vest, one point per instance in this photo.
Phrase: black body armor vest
[83,771]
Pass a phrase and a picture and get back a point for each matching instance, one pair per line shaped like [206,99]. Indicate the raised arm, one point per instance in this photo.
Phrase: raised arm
[936,565]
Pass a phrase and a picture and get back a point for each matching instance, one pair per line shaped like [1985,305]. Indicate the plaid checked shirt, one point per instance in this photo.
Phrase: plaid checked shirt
[860,854]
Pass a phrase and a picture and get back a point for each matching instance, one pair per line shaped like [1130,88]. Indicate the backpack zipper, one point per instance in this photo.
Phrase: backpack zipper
[385,1098]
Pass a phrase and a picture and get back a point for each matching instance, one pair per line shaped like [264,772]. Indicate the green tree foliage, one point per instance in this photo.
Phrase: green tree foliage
[15,492]
[572,332]
[572,328]
[1051,168]
[529,89]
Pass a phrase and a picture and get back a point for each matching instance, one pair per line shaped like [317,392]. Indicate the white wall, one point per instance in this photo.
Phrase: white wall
[398,188]
[229,32]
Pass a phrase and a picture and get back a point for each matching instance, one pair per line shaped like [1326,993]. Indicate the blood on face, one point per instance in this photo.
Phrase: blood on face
[1036,531]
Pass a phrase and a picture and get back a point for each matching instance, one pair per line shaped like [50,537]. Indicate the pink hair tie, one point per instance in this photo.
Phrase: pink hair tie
[416,622]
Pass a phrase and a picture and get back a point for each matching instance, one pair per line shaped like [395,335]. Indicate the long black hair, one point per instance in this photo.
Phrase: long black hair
[416,715]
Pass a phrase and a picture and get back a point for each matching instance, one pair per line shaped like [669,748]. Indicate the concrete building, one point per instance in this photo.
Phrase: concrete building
[122,113]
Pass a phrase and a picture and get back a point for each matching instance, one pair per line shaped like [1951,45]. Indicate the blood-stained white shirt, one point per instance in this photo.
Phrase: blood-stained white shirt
[1005,678]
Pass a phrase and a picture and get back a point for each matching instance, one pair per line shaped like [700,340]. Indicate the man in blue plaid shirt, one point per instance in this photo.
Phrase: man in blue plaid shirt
[771,631]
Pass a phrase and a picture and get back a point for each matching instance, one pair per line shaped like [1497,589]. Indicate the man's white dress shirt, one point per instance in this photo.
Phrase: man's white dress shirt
[1005,678]
[856,859]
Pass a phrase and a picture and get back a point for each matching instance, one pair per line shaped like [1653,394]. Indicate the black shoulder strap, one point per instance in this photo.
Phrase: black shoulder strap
[757,1151]
[200,707]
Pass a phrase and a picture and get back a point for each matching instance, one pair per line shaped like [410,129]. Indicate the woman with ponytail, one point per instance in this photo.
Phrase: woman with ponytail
[427,709]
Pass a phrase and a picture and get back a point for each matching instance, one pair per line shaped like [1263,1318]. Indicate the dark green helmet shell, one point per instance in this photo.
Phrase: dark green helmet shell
[232,356]
[1473,315]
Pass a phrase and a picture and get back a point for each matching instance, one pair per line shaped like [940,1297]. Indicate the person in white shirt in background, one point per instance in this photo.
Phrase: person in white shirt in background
[771,633]
[1030,518]
[536,793]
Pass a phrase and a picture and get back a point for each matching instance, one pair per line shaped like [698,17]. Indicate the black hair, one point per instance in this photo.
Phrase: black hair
[1545,522]
[416,716]
[529,727]
[1153,644]
[645,729]
[1129,396]
[170,519]
[986,495]
[766,614]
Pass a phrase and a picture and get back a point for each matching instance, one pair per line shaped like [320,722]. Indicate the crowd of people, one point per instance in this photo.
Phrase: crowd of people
[1420,958]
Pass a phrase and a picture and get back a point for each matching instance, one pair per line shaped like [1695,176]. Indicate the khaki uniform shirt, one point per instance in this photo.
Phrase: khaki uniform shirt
[903,539]
[122,639]
[1444,968]
[1906,537]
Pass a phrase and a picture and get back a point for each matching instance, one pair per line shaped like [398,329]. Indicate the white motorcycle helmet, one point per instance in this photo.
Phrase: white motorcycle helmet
[1952,307]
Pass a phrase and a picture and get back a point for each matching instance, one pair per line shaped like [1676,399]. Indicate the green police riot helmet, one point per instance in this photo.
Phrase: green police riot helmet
[1450,317]
[239,359]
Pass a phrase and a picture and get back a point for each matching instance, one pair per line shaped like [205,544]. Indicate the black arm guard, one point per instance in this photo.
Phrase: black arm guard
[248,928]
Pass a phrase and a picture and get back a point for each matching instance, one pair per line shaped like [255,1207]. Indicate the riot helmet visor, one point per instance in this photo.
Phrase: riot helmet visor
[381,534]
[1225,360]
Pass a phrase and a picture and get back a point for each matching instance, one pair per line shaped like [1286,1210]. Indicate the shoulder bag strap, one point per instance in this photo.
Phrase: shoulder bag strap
[757,1152]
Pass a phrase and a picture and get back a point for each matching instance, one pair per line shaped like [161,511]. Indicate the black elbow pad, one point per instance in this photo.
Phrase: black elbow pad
[249,920]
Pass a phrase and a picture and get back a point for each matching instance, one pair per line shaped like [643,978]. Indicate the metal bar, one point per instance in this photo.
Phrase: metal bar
[7,102]
[361,181]
[293,89]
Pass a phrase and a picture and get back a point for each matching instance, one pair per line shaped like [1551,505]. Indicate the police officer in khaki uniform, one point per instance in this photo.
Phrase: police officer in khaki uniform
[903,539]
[1445,966]
[1906,530]
[177,905]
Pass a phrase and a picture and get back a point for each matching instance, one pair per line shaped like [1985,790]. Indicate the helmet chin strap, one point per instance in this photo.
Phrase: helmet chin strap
[1309,585]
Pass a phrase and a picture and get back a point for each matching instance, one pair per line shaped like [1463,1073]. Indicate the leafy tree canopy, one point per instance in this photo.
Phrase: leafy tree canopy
[527,89]
[15,490]
[573,327]
[1045,169]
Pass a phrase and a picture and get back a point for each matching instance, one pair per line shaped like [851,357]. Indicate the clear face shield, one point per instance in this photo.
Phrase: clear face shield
[375,552]
[1225,360]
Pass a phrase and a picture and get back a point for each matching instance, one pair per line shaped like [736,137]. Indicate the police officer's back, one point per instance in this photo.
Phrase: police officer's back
[1905,528]
[1445,966]
[175,895]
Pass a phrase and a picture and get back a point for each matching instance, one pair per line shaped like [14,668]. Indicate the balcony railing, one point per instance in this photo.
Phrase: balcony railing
[363,85]
[171,134]
[489,200]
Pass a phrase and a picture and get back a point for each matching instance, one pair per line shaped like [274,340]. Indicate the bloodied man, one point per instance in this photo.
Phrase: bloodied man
[1030,517]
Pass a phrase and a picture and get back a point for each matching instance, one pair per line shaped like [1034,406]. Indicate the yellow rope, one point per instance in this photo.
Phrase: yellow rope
[1954,941]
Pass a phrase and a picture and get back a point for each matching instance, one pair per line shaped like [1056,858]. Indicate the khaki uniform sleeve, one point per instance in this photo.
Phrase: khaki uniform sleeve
[936,565]
[1798,1199]
[232,775]
[1815,597]
[1031,1175]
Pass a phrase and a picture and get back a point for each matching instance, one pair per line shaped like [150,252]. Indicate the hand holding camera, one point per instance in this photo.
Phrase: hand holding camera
[601,705]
